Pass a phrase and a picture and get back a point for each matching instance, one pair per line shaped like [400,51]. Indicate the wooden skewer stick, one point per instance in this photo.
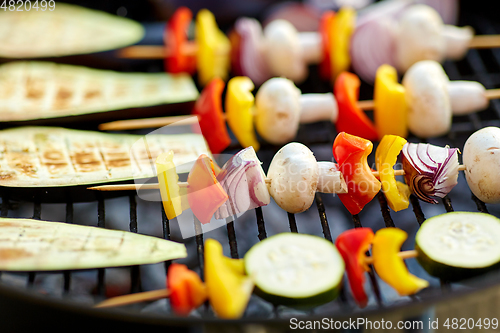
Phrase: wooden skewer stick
[485,42]
[402,255]
[176,120]
[164,293]
[190,119]
[155,186]
[191,48]
[134,298]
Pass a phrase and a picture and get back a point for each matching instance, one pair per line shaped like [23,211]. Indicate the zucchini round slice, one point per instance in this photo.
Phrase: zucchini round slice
[295,270]
[459,245]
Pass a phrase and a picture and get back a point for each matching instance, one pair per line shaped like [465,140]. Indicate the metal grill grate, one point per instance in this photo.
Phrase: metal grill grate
[473,67]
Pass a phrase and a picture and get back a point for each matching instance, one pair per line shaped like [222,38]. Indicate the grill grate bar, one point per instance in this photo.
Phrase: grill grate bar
[260,223]
[292,222]
[37,215]
[384,208]
[417,210]
[135,283]
[165,225]
[5,206]
[371,274]
[67,274]
[481,206]
[231,235]
[199,243]
[101,223]
[447,204]
[322,217]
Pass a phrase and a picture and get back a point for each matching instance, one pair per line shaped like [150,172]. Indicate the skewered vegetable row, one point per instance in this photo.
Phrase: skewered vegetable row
[280,50]
[424,104]
[294,176]
[304,271]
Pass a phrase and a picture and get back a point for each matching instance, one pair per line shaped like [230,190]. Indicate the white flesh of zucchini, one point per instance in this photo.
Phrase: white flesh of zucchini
[63,30]
[295,265]
[31,245]
[52,156]
[461,239]
[40,90]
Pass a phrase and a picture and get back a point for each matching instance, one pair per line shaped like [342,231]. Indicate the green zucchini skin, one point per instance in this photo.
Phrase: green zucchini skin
[446,271]
[301,303]
[308,299]
[449,273]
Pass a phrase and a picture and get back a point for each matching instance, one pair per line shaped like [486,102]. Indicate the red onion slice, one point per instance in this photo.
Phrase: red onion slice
[243,180]
[372,45]
[430,171]
[252,50]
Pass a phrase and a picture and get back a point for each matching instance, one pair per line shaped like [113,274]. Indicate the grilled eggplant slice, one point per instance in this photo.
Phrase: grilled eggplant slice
[44,163]
[67,30]
[33,245]
[44,90]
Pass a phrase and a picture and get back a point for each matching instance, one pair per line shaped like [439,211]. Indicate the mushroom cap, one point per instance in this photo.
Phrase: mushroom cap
[277,110]
[283,51]
[429,106]
[294,177]
[481,158]
[420,37]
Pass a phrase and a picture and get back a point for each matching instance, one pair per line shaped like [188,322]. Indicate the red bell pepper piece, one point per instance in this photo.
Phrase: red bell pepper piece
[351,118]
[352,245]
[175,39]
[204,193]
[351,154]
[325,31]
[187,291]
[208,108]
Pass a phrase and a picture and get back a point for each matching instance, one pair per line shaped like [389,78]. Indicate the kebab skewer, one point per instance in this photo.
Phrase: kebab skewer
[280,50]
[464,259]
[424,104]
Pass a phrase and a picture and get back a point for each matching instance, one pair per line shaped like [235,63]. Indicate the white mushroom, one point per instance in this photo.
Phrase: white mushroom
[330,178]
[420,37]
[429,107]
[457,41]
[288,52]
[294,177]
[277,110]
[467,97]
[280,108]
[482,162]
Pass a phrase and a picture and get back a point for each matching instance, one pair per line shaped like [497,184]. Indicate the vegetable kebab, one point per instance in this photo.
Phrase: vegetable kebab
[280,50]
[304,271]
[424,104]
[294,176]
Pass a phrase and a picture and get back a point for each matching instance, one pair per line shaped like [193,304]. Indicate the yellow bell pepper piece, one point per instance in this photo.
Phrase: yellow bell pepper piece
[397,193]
[168,183]
[344,24]
[389,266]
[239,106]
[229,289]
[390,109]
[213,56]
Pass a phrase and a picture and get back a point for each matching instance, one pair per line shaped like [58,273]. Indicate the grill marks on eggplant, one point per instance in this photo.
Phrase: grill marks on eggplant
[45,156]
[39,90]
[66,30]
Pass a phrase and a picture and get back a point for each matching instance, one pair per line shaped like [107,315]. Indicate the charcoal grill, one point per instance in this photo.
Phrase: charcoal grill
[26,308]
